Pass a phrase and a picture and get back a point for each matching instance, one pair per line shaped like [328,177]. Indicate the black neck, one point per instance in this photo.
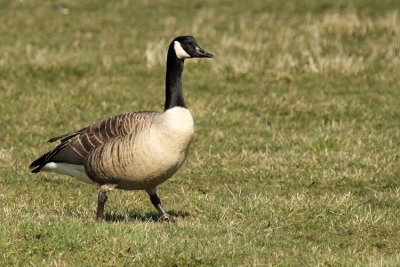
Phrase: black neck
[173,82]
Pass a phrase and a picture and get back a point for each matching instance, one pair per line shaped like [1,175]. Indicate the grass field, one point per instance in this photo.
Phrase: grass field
[296,155]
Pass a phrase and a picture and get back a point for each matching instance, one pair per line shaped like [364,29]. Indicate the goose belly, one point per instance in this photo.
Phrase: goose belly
[144,160]
[153,164]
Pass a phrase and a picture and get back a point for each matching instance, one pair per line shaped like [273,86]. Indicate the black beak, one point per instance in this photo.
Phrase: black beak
[202,53]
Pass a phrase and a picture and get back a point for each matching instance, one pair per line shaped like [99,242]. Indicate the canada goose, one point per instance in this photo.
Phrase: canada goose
[132,151]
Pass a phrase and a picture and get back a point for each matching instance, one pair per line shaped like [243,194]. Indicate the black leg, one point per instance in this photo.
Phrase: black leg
[157,203]
[102,198]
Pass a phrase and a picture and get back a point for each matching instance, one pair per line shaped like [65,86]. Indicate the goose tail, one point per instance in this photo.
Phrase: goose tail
[38,163]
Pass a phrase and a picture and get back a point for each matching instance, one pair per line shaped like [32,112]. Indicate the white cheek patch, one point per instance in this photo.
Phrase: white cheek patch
[179,51]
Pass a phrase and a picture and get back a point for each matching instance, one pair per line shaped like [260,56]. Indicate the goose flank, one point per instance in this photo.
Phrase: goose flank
[131,151]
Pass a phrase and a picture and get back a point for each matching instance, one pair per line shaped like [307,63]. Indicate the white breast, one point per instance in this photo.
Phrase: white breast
[171,138]
[178,124]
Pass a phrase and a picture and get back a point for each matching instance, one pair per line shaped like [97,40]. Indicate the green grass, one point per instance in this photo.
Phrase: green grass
[296,154]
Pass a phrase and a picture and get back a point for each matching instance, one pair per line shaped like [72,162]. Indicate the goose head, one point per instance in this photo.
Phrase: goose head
[187,47]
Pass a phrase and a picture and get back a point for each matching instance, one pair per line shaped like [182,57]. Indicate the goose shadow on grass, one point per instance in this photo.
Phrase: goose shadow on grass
[135,216]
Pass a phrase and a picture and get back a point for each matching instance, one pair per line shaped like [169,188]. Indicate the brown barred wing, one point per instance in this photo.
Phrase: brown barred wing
[76,146]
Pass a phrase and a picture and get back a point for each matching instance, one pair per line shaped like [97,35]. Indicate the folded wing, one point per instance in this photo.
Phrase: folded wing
[76,146]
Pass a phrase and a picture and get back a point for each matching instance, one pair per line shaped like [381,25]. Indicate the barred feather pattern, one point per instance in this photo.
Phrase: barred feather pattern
[111,162]
[76,146]
[120,126]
